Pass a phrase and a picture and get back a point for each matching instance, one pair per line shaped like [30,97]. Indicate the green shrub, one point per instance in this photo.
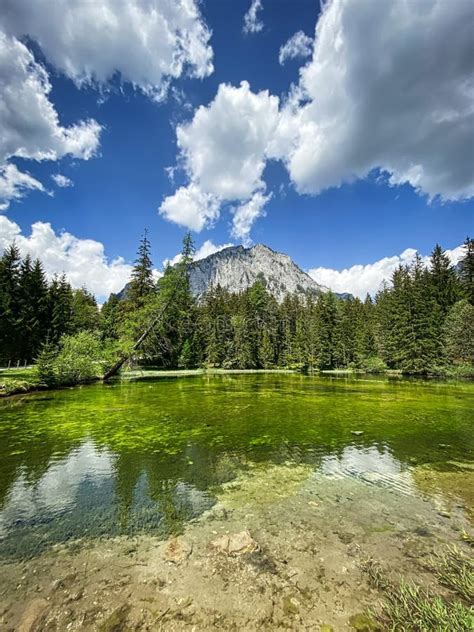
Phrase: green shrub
[45,367]
[374,365]
[79,358]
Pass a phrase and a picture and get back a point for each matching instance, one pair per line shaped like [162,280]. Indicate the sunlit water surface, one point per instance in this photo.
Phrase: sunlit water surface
[149,455]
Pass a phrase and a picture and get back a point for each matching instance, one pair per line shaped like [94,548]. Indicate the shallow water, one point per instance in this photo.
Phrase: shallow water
[149,456]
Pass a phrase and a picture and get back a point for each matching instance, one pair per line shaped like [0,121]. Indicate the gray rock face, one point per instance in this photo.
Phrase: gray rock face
[237,268]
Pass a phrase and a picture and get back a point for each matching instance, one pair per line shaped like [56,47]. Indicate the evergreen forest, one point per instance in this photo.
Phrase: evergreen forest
[421,322]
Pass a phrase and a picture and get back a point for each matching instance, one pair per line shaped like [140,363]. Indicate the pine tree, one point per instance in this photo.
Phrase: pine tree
[85,313]
[466,270]
[60,299]
[445,290]
[33,307]
[10,335]
[110,317]
[328,346]
[459,333]
[142,285]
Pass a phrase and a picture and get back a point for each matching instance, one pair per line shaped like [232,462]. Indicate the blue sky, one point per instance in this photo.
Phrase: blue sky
[340,210]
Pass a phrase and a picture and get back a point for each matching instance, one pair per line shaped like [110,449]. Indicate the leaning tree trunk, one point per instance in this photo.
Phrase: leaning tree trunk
[126,356]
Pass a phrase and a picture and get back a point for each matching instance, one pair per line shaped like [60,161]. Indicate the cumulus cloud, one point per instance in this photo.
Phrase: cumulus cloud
[389,87]
[299,45]
[252,23]
[381,93]
[29,123]
[223,147]
[190,207]
[82,260]
[144,42]
[206,249]
[62,181]
[223,151]
[362,279]
[246,214]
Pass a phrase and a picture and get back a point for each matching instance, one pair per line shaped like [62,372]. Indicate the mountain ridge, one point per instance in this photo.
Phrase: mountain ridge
[236,268]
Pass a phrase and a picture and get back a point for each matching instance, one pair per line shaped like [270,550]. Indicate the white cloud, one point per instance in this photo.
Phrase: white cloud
[190,207]
[252,23]
[223,151]
[62,181]
[389,87]
[14,184]
[382,92]
[28,120]
[206,249]
[299,45]
[209,248]
[29,123]
[82,260]
[145,42]
[362,279]
[223,147]
[246,214]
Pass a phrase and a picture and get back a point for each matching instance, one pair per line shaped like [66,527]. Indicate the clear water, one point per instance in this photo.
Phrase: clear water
[149,455]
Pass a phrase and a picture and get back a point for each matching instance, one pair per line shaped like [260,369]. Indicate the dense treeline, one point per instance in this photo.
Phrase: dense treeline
[421,322]
[33,310]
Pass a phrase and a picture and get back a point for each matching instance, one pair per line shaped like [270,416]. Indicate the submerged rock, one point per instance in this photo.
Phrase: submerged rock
[116,622]
[33,616]
[177,551]
[363,623]
[235,544]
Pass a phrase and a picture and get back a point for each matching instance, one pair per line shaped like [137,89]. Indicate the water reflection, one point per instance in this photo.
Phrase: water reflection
[376,466]
[148,456]
[57,489]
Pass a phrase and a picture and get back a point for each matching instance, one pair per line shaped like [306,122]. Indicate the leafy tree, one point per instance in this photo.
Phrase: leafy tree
[78,359]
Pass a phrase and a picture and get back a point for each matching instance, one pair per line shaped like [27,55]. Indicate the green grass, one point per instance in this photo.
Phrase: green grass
[456,571]
[19,380]
[407,607]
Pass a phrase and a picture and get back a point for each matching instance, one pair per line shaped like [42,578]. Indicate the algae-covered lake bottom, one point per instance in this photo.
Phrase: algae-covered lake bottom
[111,497]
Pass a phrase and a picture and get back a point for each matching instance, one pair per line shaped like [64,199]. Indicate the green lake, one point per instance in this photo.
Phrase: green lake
[150,455]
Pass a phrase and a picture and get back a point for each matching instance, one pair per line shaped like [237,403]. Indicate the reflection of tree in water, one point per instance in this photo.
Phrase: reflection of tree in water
[30,459]
[172,442]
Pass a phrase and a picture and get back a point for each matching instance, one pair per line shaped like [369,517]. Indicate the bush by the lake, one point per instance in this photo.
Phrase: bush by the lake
[77,359]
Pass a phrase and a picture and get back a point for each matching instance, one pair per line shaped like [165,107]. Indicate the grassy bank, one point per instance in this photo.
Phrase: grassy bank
[24,380]
[15,381]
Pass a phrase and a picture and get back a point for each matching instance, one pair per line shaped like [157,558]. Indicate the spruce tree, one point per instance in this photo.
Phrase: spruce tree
[10,334]
[33,307]
[142,285]
[466,270]
[60,305]
[459,333]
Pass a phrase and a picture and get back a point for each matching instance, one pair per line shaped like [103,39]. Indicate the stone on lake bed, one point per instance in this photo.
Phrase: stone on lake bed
[116,622]
[235,543]
[357,433]
[177,550]
[33,616]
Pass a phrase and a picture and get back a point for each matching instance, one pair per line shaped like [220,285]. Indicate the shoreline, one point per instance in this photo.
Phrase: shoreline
[24,387]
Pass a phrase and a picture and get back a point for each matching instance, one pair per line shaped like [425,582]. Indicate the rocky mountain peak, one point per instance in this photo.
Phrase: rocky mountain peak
[236,268]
